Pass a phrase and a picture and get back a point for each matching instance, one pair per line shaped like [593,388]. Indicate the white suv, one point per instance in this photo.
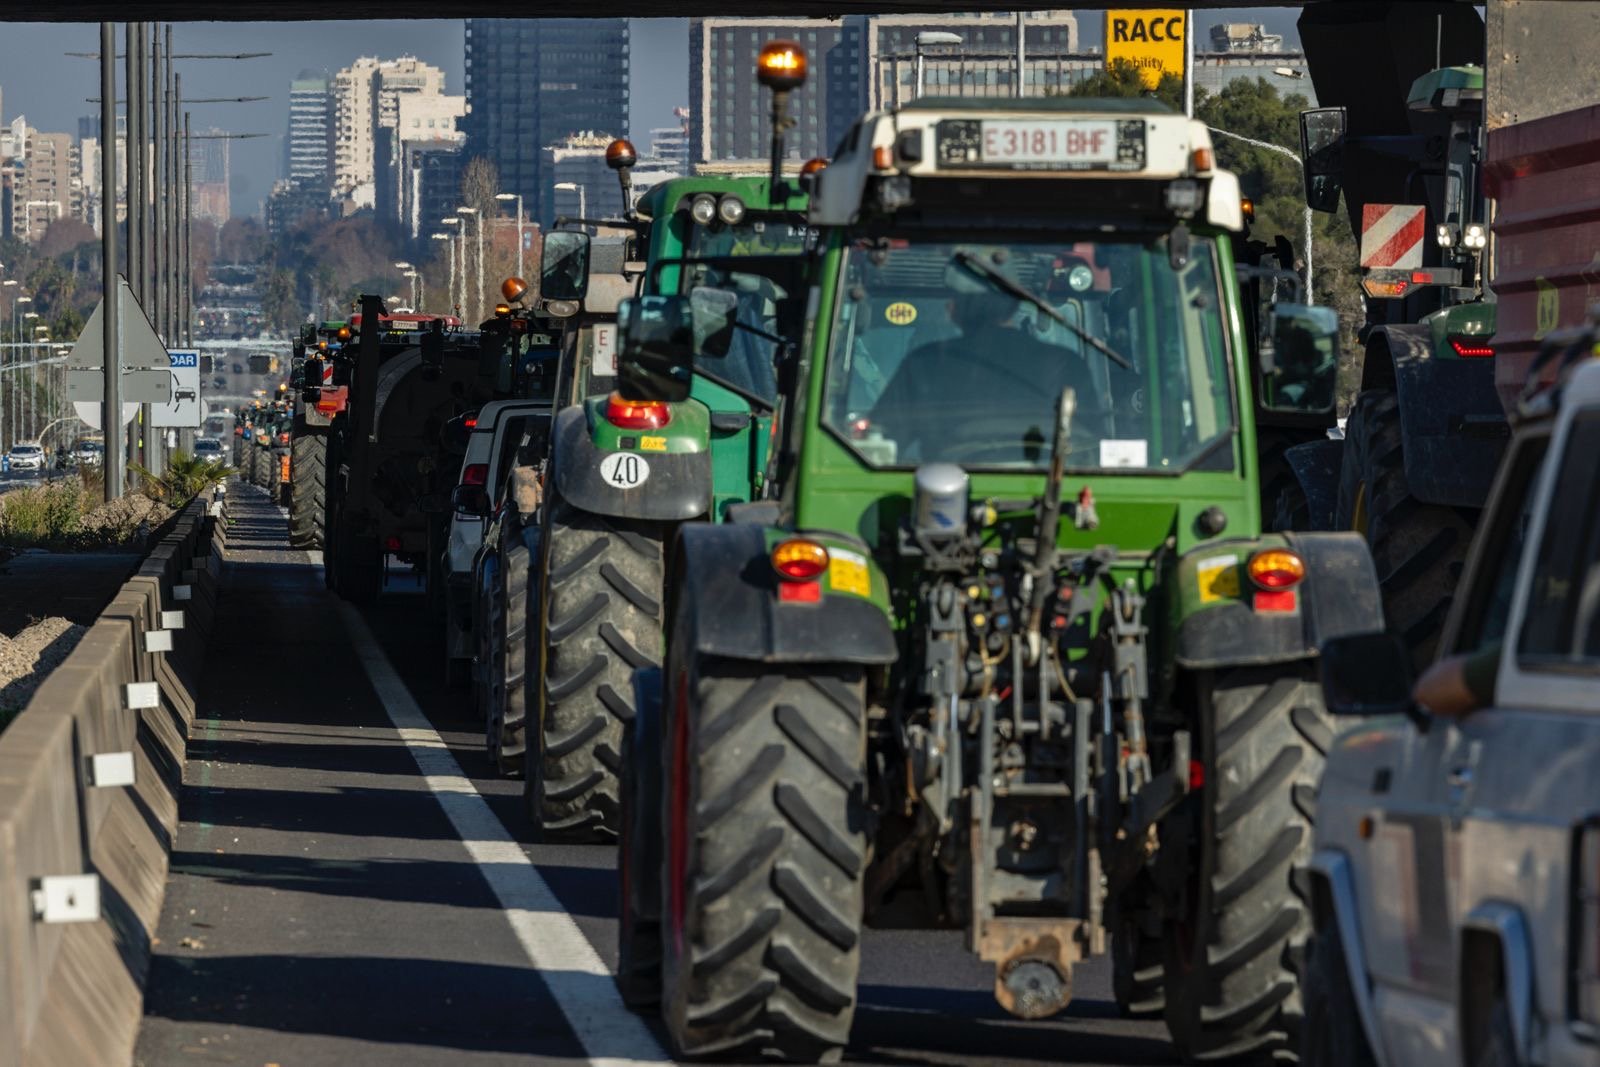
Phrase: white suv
[26,456]
[1456,877]
[492,443]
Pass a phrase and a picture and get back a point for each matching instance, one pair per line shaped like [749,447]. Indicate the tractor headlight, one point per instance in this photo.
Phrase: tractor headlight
[730,209]
[1474,236]
[703,209]
[1185,197]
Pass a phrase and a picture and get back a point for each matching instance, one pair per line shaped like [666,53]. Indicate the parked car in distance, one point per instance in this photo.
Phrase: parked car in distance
[207,448]
[1456,873]
[91,453]
[27,456]
[496,432]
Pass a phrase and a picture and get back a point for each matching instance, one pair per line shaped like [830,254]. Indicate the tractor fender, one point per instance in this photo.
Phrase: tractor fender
[1452,425]
[1339,596]
[724,576]
[678,487]
[1315,465]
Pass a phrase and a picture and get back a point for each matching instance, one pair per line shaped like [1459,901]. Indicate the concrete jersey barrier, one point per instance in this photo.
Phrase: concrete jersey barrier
[83,852]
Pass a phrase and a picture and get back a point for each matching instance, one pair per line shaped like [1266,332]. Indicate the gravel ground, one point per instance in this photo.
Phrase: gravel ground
[29,657]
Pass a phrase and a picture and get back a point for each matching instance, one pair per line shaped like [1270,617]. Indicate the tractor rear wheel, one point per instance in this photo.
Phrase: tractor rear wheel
[639,848]
[308,487]
[508,708]
[602,621]
[765,854]
[1232,968]
[1418,549]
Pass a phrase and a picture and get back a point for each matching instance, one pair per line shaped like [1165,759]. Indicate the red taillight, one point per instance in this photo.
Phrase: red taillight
[637,414]
[1276,568]
[475,474]
[283,438]
[1197,776]
[392,544]
[471,423]
[1471,348]
[799,560]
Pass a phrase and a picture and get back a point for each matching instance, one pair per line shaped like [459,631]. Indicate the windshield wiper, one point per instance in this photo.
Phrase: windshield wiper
[1022,292]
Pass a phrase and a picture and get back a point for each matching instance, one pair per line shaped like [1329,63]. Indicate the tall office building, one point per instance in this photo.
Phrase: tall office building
[306,147]
[533,82]
[730,118]
[208,167]
[983,63]
[363,99]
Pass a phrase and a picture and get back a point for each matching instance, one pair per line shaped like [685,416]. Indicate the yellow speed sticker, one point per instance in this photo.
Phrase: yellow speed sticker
[653,444]
[900,313]
[847,572]
[1219,578]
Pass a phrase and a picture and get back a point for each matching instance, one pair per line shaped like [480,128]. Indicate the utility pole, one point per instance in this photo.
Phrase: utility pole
[134,77]
[111,414]
[1022,55]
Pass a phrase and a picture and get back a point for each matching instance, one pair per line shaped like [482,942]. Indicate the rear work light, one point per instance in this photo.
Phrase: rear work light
[471,423]
[1385,288]
[1584,937]
[637,414]
[799,560]
[1276,568]
[475,474]
[1471,348]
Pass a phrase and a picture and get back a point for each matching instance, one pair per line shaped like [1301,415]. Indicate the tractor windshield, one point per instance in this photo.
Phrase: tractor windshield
[755,235]
[952,350]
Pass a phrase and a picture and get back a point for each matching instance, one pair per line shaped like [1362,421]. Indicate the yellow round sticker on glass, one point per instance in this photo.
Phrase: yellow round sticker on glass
[900,313]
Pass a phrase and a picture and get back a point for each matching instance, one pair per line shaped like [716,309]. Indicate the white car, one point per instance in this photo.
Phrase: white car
[207,448]
[1456,873]
[492,443]
[27,456]
[91,453]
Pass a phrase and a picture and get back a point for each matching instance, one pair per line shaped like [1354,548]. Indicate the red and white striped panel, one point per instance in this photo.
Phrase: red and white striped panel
[1391,235]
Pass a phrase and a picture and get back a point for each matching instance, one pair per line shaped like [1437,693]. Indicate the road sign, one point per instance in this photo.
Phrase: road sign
[146,377]
[1150,39]
[1391,236]
[183,410]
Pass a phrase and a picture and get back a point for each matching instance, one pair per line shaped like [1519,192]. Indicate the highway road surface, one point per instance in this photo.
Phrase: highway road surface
[351,885]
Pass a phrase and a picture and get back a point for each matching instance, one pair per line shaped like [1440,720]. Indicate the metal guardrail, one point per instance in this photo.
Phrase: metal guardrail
[90,773]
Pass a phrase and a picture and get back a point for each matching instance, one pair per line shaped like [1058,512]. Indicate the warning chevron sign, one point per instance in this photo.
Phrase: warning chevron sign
[1391,235]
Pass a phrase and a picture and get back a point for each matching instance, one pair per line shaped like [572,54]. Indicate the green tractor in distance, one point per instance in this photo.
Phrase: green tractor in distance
[624,474]
[1004,644]
[317,402]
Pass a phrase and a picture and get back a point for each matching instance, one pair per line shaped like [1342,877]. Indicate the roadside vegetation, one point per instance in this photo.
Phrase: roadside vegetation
[70,514]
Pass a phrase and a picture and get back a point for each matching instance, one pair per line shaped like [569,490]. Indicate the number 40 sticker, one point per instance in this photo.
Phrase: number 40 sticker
[624,470]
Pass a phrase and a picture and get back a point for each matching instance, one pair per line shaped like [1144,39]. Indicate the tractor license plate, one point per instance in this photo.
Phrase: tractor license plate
[1042,144]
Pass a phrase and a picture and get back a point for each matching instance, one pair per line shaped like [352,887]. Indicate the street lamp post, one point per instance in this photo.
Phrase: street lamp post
[451,245]
[459,249]
[583,200]
[477,298]
[927,38]
[1282,151]
[518,198]
[23,422]
[417,292]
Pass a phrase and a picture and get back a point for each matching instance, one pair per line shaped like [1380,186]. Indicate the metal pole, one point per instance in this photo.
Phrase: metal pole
[919,69]
[451,245]
[151,60]
[174,176]
[1311,296]
[111,414]
[1188,62]
[158,185]
[1022,55]
[188,221]
[519,234]
[461,300]
[131,139]
[478,303]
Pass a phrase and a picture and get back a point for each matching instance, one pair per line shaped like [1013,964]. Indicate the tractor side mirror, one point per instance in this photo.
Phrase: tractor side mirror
[1367,674]
[1300,359]
[656,356]
[1322,149]
[564,265]
[470,500]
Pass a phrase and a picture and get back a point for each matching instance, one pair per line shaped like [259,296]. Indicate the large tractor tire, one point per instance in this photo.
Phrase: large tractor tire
[602,621]
[766,849]
[506,732]
[1233,955]
[1138,971]
[1418,549]
[639,848]
[308,489]
[1282,499]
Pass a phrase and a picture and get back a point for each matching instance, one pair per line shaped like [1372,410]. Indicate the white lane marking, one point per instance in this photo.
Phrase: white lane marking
[570,967]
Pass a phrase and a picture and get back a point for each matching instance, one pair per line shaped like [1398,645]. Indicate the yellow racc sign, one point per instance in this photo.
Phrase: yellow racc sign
[1150,39]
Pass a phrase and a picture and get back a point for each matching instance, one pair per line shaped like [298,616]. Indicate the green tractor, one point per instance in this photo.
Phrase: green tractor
[1003,646]
[623,475]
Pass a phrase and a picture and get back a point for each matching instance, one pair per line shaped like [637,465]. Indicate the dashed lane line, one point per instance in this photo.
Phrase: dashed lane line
[571,969]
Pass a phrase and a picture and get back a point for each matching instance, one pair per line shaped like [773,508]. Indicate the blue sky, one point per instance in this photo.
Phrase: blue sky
[37,78]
